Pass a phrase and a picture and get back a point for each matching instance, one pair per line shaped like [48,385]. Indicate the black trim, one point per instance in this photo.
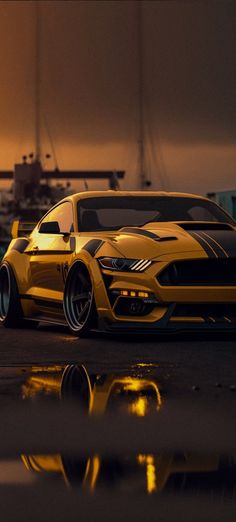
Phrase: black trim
[48,303]
[164,327]
[138,327]
[72,244]
[20,245]
[199,272]
[204,225]
[40,301]
[166,238]
[215,245]
[26,296]
[48,252]
[226,240]
[204,244]
[210,312]
[123,307]
[147,233]
[93,246]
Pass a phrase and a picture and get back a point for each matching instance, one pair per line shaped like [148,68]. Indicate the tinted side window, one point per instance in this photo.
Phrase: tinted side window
[63,214]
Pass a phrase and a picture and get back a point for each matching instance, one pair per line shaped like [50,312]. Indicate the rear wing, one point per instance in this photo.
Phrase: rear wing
[22,228]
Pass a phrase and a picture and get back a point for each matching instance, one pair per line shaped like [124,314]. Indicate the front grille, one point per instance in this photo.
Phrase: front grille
[199,272]
[205,310]
[131,307]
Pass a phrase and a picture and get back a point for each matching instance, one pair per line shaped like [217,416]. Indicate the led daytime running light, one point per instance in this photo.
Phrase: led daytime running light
[120,264]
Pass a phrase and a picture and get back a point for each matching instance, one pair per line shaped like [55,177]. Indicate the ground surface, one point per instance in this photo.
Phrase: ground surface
[196,371]
[181,363]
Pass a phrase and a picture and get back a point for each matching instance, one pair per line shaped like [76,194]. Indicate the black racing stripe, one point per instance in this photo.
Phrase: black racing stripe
[145,233]
[48,252]
[221,252]
[72,243]
[204,244]
[93,246]
[226,240]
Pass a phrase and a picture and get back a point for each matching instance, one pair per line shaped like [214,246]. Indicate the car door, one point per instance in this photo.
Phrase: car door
[50,253]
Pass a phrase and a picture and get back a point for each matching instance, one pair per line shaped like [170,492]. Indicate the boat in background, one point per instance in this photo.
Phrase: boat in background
[32,192]
[28,199]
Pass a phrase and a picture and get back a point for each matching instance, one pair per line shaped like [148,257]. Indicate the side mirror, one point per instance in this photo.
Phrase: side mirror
[49,227]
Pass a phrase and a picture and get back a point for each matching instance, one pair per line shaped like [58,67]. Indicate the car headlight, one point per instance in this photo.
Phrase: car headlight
[121,264]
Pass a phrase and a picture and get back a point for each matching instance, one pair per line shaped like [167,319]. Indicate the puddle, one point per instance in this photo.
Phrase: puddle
[97,396]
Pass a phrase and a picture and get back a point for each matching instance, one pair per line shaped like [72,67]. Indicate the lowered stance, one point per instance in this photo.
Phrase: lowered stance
[123,261]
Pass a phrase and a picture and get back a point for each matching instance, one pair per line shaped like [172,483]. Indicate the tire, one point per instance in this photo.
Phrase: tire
[79,304]
[11,314]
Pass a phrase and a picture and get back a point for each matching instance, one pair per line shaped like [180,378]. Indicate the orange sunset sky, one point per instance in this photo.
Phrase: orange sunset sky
[90,59]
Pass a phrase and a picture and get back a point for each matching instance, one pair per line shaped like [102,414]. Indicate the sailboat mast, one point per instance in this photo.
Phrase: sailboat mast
[37,99]
[141,166]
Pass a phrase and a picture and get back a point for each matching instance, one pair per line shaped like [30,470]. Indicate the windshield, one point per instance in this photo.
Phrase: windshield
[112,213]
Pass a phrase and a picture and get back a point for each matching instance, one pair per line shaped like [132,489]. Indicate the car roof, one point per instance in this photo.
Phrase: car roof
[123,193]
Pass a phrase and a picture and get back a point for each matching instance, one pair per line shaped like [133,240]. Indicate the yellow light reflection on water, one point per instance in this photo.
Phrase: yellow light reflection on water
[139,407]
[149,462]
[138,385]
[92,472]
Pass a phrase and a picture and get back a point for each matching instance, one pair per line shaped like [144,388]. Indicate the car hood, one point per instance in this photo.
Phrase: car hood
[157,239]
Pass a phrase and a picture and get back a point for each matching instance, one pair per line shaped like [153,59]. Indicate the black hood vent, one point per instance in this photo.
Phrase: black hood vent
[146,233]
[204,225]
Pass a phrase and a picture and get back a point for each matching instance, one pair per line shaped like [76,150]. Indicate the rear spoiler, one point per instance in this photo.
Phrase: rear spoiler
[22,228]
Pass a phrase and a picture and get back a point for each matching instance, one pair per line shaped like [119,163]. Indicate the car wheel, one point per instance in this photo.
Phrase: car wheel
[79,304]
[10,307]
[11,314]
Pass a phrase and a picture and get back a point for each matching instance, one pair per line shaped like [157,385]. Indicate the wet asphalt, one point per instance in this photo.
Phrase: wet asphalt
[196,377]
[185,365]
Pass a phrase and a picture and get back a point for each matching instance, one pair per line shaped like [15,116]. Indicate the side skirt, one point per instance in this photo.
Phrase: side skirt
[49,310]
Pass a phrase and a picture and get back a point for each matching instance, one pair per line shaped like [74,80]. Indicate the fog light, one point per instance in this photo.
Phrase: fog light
[143,294]
[134,293]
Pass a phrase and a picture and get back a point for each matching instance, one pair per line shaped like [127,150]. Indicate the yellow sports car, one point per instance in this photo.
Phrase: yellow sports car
[123,261]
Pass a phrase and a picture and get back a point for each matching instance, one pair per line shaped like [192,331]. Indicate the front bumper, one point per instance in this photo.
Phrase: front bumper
[177,308]
[165,327]
[176,317]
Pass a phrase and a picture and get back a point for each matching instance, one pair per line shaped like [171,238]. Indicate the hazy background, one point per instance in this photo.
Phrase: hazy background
[90,88]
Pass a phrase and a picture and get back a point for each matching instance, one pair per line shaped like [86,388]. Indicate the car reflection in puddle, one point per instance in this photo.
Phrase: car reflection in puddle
[135,396]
